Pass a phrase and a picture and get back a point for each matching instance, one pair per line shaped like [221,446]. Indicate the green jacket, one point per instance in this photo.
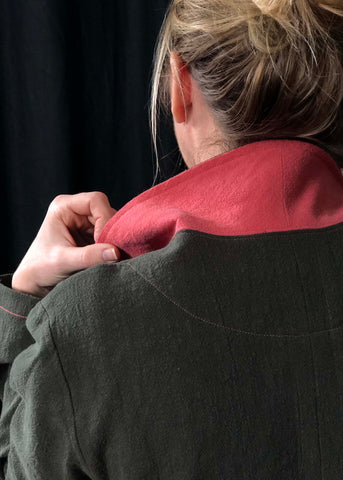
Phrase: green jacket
[213,351]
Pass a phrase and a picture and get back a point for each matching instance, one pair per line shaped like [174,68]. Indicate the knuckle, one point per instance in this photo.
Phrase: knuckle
[55,255]
[100,196]
[57,202]
[59,199]
[84,258]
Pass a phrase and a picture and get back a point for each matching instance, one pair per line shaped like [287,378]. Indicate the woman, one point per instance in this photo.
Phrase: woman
[214,348]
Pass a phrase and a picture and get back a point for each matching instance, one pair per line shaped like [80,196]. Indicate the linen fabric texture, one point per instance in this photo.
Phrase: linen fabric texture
[214,350]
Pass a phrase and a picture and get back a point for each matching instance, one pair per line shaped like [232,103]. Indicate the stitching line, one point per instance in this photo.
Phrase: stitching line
[12,313]
[68,389]
[263,235]
[236,330]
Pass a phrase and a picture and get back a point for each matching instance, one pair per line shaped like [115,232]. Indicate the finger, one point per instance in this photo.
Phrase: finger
[76,258]
[93,205]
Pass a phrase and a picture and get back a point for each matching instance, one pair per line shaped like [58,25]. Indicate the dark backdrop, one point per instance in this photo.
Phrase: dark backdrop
[74,89]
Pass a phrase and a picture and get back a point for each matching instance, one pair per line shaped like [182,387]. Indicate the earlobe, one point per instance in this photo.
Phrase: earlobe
[181,94]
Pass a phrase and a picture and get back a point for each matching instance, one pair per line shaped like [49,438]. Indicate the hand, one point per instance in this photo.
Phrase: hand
[65,243]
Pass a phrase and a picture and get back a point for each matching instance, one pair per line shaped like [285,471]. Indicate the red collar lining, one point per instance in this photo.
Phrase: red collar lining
[266,186]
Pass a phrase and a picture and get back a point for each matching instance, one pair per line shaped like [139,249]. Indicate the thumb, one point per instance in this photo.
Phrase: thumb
[80,258]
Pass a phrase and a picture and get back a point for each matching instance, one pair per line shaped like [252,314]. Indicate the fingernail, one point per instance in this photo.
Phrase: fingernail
[109,255]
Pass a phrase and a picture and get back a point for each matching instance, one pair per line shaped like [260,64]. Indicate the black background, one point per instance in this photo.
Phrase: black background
[74,88]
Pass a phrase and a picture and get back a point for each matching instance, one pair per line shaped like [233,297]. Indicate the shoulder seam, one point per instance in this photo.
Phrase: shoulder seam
[76,438]
[231,329]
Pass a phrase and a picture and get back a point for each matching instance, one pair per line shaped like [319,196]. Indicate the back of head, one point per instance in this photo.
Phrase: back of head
[267,68]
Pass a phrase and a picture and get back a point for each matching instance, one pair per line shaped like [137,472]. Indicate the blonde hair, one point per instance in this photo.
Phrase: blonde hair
[267,68]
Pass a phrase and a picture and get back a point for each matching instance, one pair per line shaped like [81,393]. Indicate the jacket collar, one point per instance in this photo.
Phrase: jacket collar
[266,186]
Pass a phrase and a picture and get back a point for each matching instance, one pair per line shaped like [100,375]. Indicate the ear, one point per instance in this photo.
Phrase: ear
[181,88]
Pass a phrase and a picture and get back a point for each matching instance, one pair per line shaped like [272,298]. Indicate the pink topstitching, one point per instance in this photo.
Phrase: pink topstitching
[15,314]
[244,332]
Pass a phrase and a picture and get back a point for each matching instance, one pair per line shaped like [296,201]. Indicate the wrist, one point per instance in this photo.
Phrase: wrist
[20,284]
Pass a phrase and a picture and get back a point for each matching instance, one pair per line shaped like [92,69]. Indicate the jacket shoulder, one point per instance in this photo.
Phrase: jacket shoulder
[105,289]
[112,292]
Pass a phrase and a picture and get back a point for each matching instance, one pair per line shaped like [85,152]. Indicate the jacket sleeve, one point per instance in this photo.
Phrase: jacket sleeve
[14,336]
[37,436]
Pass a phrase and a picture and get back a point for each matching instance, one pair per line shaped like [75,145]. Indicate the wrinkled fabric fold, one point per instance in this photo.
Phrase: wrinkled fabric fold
[266,186]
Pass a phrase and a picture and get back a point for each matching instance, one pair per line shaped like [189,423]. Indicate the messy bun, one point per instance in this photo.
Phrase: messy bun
[267,68]
[277,7]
